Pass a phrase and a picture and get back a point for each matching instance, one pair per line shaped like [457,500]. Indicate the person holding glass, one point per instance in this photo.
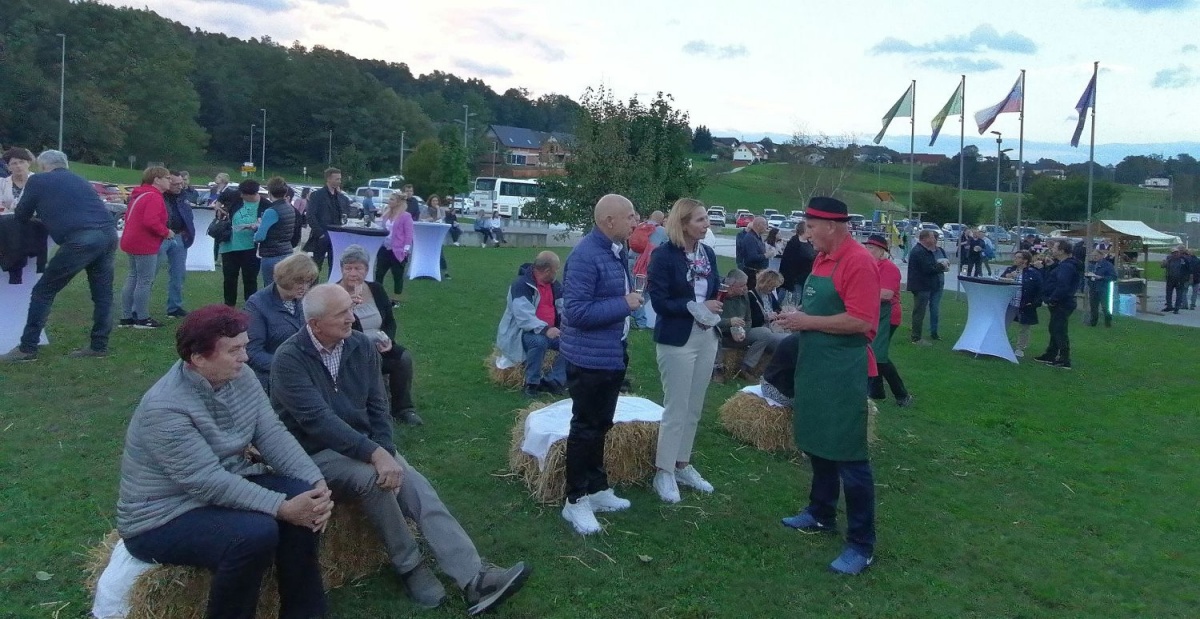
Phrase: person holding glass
[682,271]
[373,316]
[275,313]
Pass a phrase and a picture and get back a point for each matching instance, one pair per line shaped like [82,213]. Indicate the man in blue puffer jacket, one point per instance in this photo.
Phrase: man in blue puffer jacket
[1058,290]
[598,299]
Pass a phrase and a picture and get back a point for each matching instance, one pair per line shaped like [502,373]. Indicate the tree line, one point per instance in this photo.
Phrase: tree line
[141,88]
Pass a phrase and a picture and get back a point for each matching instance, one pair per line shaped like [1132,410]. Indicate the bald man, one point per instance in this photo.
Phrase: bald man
[751,250]
[530,325]
[598,299]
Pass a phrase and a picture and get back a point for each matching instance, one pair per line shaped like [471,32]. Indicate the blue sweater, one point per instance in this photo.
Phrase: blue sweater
[595,281]
[66,204]
[670,291]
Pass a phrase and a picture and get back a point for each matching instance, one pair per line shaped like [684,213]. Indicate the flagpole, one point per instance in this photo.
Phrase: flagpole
[1091,175]
[962,136]
[912,147]
[1021,153]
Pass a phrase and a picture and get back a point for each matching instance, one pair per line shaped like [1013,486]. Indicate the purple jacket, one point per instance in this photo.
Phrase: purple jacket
[401,236]
[595,281]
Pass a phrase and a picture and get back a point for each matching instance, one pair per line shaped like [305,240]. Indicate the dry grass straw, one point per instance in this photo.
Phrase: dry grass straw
[629,452]
[514,377]
[752,420]
[350,549]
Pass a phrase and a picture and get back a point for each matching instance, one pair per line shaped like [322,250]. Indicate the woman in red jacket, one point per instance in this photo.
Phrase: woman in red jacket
[145,230]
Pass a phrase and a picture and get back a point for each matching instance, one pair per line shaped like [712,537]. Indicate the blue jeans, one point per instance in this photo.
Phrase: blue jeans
[926,299]
[90,250]
[174,254]
[239,546]
[828,478]
[536,345]
[135,294]
[266,268]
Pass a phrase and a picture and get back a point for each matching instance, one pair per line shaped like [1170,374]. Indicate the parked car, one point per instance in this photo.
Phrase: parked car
[797,216]
[952,231]
[856,221]
[787,230]
[770,212]
[108,192]
[744,219]
[996,233]
[716,217]
[1024,231]
[775,220]
[932,226]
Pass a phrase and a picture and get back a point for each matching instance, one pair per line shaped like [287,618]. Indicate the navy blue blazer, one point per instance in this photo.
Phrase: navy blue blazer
[669,289]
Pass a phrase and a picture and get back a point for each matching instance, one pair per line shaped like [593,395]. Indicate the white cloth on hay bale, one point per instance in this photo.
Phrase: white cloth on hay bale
[548,425]
[116,583]
[757,391]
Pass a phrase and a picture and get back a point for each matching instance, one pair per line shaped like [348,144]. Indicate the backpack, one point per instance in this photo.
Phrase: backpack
[639,241]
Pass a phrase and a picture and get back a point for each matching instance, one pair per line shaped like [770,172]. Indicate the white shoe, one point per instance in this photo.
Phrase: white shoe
[1019,353]
[483,245]
[689,476]
[458,244]
[665,486]
[607,501]
[580,515]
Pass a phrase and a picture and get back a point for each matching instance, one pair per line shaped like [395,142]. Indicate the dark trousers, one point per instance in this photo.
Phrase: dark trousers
[84,250]
[1060,343]
[926,299]
[455,234]
[322,248]
[386,261]
[974,265]
[594,402]
[1177,288]
[828,479]
[1098,303]
[397,365]
[239,546]
[888,372]
[242,262]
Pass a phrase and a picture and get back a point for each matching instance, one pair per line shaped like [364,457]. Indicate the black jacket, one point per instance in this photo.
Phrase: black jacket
[19,242]
[325,210]
[924,272]
[1059,288]
[670,291]
[796,262]
[751,251]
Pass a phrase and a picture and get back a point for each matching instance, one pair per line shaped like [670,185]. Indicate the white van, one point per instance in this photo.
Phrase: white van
[506,195]
[391,182]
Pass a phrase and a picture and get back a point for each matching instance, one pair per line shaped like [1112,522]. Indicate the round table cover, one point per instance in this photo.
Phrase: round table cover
[985,332]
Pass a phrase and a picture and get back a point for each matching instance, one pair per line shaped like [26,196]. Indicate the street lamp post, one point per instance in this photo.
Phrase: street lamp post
[329,159]
[467,114]
[263,169]
[251,159]
[402,134]
[62,89]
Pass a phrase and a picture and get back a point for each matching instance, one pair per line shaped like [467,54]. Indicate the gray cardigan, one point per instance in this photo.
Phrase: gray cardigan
[185,449]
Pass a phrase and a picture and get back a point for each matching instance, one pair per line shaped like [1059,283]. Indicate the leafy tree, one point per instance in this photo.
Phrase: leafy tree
[636,149]
[453,175]
[941,204]
[1055,200]
[702,140]
[421,168]
[1135,169]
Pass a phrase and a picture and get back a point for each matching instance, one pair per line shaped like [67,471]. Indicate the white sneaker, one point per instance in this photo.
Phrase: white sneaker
[1019,353]
[580,515]
[483,245]
[689,476]
[607,501]
[458,245]
[665,486]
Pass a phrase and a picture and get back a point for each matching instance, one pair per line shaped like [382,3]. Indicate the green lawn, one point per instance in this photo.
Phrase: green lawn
[1007,491]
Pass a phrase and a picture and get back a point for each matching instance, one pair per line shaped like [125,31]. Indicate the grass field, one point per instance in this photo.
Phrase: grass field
[1007,491]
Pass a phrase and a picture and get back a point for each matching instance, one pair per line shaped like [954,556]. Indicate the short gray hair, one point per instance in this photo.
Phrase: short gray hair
[546,260]
[925,234]
[737,276]
[53,160]
[355,253]
[316,302]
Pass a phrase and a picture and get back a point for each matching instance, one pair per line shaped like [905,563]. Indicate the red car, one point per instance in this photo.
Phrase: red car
[108,192]
[744,219]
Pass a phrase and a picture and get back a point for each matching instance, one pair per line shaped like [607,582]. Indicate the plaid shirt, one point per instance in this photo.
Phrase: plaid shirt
[331,358]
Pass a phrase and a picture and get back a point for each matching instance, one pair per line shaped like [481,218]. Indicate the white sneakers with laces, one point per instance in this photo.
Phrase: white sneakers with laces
[607,501]
[580,515]
[689,476]
[665,486]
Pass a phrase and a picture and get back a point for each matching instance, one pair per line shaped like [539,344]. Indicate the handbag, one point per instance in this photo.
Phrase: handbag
[221,229]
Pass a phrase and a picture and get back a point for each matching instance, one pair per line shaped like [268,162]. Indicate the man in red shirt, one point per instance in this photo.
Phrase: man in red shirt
[889,319]
[529,327]
[841,314]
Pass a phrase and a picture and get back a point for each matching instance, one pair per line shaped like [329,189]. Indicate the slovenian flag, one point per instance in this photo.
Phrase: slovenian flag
[953,106]
[1014,102]
[902,108]
[1086,102]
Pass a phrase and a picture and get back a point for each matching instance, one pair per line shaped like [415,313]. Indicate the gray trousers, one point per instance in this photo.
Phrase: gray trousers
[352,480]
[135,295]
[759,341]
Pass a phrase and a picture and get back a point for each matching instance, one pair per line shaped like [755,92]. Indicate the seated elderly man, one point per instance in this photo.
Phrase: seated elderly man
[325,385]
[530,323]
[190,495]
[736,331]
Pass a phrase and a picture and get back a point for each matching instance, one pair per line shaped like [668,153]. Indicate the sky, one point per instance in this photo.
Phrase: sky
[780,67]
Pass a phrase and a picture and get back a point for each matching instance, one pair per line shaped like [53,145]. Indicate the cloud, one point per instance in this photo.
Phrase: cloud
[1189,49]
[723,52]
[267,6]
[983,38]
[492,29]
[482,69]
[1149,6]
[1179,77]
[961,64]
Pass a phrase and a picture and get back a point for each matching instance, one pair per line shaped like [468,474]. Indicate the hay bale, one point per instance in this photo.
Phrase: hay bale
[350,550]
[629,450]
[752,420]
[514,377]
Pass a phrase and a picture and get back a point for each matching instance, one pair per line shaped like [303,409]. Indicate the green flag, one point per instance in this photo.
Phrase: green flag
[953,106]
[903,108]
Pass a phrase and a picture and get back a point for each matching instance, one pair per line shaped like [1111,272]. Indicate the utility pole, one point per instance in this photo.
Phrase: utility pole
[263,169]
[62,89]
[329,160]
[402,134]
[251,159]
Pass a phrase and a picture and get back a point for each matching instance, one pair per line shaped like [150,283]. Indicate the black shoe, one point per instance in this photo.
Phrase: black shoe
[1176,310]
[147,323]
[626,387]
[126,322]
[1061,363]
[935,337]
[423,586]
[1167,309]
[177,313]
[1046,358]
[446,276]
[532,391]
[905,402]
[493,585]
[553,387]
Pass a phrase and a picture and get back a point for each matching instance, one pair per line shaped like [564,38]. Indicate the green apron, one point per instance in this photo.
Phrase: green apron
[831,417]
[882,343]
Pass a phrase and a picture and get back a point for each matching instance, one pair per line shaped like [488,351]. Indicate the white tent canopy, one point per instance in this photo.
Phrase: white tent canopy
[1136,229]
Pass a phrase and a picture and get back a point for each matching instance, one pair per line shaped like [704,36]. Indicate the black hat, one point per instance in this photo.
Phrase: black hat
[248,187]
[827,208]
[878,240]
